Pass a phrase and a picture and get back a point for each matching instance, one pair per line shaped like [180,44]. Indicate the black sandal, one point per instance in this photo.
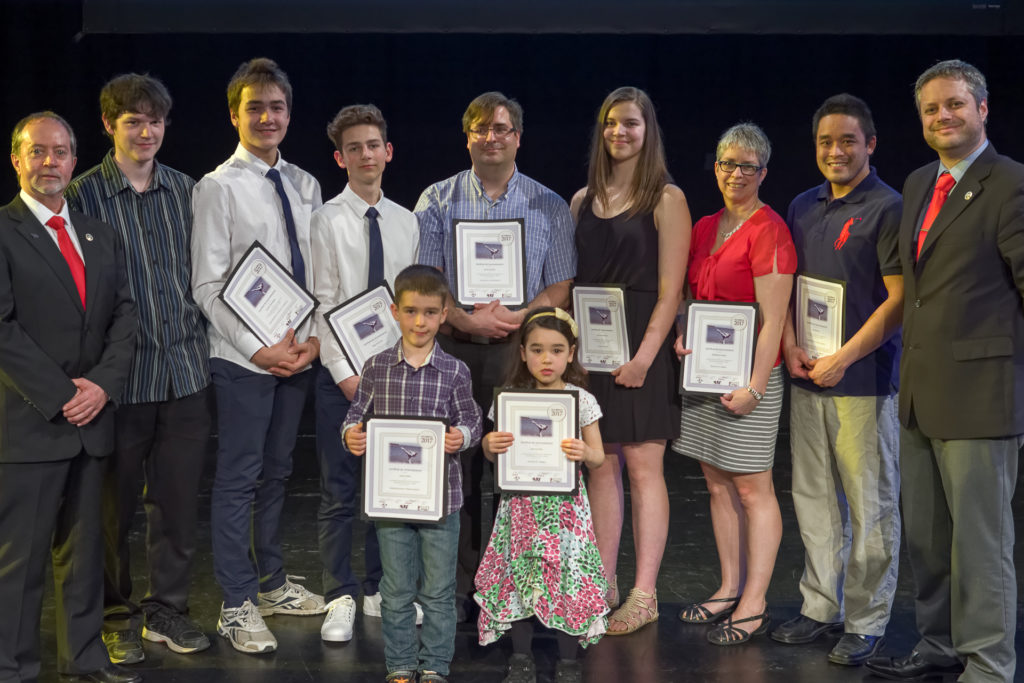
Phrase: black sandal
[728,634]
[697,613]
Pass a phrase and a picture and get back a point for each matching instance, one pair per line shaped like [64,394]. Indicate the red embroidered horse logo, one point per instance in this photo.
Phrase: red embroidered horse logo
[844,234]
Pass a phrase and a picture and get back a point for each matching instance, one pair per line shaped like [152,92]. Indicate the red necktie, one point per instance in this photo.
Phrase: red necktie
[67,250]
[944,184]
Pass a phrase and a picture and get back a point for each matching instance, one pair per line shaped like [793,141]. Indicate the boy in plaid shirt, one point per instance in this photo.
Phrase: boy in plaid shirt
[417,378]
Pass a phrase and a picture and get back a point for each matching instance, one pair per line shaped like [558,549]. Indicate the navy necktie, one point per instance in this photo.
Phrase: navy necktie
[298,265]
[375,273]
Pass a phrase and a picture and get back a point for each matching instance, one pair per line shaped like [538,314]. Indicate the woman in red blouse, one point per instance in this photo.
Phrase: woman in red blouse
[742,253]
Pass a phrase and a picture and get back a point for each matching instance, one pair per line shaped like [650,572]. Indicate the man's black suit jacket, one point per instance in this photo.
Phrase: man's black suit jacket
[46,338]
[962,371]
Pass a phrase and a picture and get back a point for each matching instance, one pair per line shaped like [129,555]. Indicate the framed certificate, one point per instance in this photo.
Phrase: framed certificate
[539,420]
[820,308]
[405,469]
[490,262]
[601,315]
[722,336]
[364,326]
[263,295]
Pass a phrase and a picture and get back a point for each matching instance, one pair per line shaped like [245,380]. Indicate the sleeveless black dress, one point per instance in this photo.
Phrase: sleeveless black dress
[623,250]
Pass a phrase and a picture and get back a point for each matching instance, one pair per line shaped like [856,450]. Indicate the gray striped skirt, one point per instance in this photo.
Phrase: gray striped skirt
[733,443]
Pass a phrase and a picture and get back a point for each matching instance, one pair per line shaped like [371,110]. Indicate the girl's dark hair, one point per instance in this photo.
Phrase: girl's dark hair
[518,376]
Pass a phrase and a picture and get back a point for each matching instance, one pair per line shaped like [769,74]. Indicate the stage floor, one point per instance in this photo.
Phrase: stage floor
[666,651]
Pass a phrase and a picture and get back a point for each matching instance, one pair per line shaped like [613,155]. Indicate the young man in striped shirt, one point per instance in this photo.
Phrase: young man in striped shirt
[163,421]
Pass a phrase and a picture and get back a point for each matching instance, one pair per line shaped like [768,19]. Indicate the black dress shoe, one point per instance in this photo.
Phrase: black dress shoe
[912,667]
[112,673]
[853,649]
[801,629]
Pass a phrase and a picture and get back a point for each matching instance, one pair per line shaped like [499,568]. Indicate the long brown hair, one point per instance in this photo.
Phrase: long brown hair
[518,375]
[651,173]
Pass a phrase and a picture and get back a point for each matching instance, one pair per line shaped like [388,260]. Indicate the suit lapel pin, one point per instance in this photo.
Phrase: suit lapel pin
[968,195]
[88,236]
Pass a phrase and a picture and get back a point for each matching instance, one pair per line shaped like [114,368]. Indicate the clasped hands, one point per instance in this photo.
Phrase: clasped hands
[86,404]
[287,356]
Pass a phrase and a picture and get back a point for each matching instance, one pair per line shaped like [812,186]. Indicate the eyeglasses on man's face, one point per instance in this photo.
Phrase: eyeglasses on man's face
[499,130]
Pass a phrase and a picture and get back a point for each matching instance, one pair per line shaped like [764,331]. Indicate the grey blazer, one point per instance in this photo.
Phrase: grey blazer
[46,338]
[962,370]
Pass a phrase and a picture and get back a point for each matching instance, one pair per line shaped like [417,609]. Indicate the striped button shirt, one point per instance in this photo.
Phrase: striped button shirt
[550,247]
[441,387]
[155,226]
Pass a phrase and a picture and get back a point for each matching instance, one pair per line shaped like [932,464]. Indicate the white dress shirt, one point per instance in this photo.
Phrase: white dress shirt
[43,214]
[341,248]
[234,205]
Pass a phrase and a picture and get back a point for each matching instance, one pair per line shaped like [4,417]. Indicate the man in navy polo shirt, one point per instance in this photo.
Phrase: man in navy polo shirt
[843,427]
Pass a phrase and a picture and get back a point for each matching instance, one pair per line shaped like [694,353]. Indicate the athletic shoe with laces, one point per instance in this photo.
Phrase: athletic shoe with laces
[124,647]
[401,676]
[291,598]
[176,631]
[341,614]
[432,677]
[244,628]
[521,669]
[371,608]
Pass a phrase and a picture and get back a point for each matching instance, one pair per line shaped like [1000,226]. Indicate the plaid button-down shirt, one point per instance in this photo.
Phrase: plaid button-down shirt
[441,387]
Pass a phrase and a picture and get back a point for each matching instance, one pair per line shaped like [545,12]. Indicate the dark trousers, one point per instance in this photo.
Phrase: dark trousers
[340,483]
[163,444]
[488,365]
[257,423]
[51,510]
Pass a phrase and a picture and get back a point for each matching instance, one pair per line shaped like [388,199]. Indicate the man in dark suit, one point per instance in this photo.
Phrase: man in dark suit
[961,385]
[67,332]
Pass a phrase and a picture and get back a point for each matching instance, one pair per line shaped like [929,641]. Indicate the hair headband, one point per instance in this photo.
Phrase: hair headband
[561,315]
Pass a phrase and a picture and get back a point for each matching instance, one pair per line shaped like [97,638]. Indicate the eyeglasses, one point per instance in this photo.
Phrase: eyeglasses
[746,169]
[499,131]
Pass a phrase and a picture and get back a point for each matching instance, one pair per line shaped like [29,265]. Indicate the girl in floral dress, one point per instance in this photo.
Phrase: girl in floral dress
[542,560]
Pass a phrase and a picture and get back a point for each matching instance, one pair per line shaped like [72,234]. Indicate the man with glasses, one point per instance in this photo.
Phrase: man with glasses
[67,336]
[843,428]
[493,189]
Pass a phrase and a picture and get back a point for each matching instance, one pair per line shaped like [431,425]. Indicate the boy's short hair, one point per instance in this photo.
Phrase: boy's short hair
[356,115]
[138,93]
[260,72]
[421,279]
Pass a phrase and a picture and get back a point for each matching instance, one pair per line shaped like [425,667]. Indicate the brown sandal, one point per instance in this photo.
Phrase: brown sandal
[635,612]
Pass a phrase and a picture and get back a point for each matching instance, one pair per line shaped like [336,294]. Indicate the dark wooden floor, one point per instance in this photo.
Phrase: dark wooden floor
[666,651]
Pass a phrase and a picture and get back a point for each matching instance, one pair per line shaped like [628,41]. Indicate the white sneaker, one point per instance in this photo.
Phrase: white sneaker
[244,628]
[291,598]
[341,613]
[371,607]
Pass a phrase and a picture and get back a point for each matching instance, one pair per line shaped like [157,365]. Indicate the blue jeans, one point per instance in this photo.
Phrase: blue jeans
[340,482]
[257,420]
[423,554]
